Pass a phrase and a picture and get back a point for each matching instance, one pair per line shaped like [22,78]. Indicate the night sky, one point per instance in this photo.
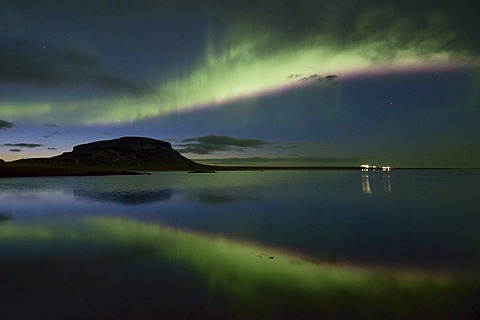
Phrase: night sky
[246,82]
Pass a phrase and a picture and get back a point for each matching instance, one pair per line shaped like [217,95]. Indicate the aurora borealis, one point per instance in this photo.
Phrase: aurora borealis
[335,83]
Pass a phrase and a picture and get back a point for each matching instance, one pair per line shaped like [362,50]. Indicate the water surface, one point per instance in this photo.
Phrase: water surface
[249,244]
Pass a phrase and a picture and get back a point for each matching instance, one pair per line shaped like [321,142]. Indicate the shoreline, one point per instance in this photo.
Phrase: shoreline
[12,170]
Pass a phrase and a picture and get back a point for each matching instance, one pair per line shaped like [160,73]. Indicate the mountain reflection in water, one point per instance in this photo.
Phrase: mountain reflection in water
[4,217]
[124,197]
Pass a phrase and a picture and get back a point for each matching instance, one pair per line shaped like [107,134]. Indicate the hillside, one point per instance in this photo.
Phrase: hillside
[126,153]
[117,156]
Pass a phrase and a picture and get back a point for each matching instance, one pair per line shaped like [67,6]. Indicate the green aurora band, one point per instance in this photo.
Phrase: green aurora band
[241,68]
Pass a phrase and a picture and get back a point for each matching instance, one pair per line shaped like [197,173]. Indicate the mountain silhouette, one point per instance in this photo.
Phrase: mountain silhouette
[117,156]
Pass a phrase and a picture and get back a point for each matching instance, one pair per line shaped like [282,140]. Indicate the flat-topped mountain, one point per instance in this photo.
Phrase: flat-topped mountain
[126,152]
[105,157]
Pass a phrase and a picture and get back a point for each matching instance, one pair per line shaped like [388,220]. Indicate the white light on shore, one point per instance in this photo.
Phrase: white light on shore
[366,167]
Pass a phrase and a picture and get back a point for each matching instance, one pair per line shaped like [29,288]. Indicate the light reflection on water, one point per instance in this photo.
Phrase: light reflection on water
[367,186]
[424,221]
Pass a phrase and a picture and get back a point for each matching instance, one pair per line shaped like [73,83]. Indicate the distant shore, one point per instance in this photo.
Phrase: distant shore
[14,170]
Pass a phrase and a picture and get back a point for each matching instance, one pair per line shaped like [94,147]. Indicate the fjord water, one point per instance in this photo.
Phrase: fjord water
[249,244]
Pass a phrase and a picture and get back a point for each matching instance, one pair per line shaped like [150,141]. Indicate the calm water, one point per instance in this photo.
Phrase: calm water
[272,244]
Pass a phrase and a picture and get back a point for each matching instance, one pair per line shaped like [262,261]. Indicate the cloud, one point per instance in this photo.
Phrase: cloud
[390,27]
[46,136]
[343,24]
[329,81]
[212,143]
[36,64]
[284,146]
[5,125]
[15,150]
[23,145]
[323,81]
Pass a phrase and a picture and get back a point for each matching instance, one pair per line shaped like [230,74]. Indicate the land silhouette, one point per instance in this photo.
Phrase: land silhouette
[122,156]
[127,155]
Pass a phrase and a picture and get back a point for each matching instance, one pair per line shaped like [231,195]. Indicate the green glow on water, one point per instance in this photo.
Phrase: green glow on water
[250,274]
[11,232]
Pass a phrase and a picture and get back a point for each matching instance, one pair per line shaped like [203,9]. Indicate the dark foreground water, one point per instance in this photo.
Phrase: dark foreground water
[273,244]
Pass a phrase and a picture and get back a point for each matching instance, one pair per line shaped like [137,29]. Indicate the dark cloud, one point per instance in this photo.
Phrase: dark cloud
[46,136]
[329,81]
[430,26]
[5,125]
[52,125]
[113,83]
[23,145]
[15,150]
[228,141]
[51,148]
[323,81]
[213,143]
[33,63]
[286,147]
[201,148]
